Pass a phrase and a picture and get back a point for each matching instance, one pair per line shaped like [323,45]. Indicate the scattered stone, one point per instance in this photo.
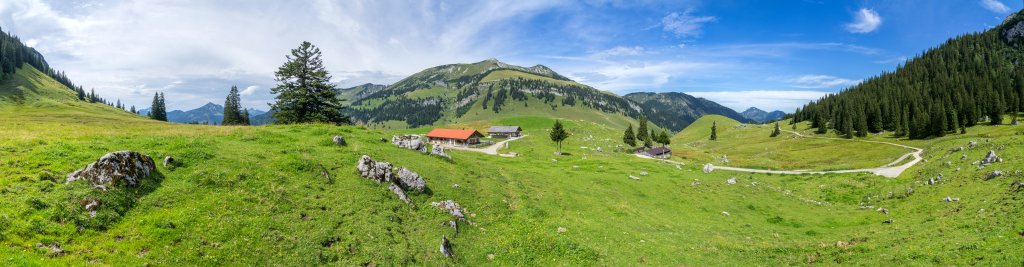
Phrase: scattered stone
[708,168]
[562,229]
[446,247]
[115,167]
[438,150]
[883,210]
[454,225]
[887,221]
[725,159]
[963,157]
[412,142]
[991,158]
[90,206]
[643,173]
[451,207]
[53,249]
[695,182]
[168,161]
[410,180]
[401,194]
[383,140]
[958,149]
[379,171]
[598,149]
[842,244]
[455,185]
[951,199]
[993,175]
[731,180]
[972,144]
[725,213]
[338,140]
[1017,186]
[634,178]
[490,257]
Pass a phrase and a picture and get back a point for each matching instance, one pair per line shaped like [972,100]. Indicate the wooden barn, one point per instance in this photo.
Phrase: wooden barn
[505,131]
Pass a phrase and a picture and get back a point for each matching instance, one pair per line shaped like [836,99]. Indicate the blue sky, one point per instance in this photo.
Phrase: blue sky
[768,54]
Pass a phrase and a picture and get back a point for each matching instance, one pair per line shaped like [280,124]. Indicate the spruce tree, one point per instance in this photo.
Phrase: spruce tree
[665,139]
[154,109]
[714,130]
[304,91]
[628,137]
[133,110]
[641,131]
[245,117]
[651,138]
[777,130]
[232,108]
[558,134]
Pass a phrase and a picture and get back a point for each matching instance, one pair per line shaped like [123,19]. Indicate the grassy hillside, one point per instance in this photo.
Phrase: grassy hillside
[256,196]
[750,145]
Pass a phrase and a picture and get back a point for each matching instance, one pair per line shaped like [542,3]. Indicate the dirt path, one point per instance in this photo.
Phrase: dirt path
[889,170]
[490,150]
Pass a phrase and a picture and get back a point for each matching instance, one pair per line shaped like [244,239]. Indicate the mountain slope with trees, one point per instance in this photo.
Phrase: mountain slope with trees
[970,79]
[492,89]
[760,116]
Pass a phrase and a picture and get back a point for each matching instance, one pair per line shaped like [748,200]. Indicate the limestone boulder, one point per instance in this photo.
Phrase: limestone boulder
[115,168]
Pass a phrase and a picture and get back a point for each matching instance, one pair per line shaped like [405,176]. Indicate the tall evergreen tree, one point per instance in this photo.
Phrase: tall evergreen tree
[777,131]
[628,137]
[232,108]
[642,134]
[714,131]
[245,117]
[133,110]
[304,91]
[158,110]
[665,140]
[649,139]
[558,134]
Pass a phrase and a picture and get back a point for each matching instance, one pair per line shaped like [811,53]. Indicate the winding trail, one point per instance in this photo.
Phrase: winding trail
[889,170]
[490,150]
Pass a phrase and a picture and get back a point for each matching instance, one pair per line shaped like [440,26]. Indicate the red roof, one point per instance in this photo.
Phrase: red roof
[453,134]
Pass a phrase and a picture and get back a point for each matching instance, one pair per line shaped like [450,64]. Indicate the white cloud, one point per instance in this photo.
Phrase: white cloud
[619,51]
[995,6]
[248,91]
[864,21]
[784,100]
[685,25]
[821,81]
[114,46]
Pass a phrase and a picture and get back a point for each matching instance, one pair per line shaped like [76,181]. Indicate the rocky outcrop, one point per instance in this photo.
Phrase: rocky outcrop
[401,194]
[991,158]
[993,175]
[338,140]
[412,142]
[437,150]
[446,247]
[374,170]
[410,180]
[451,207]
[115,168]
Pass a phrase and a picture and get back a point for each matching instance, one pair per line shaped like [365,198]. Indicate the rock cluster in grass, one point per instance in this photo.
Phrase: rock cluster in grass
[381,171]
[438,150]
[412,142]
[114,168]
[993,175]
[378,171]
[451,207]
[410,180]
[338,140]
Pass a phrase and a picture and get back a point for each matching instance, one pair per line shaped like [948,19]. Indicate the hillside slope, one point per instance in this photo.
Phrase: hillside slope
[677,110]
[492,89]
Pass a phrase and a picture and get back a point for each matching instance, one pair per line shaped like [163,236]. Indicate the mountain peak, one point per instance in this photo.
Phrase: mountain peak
[753,109]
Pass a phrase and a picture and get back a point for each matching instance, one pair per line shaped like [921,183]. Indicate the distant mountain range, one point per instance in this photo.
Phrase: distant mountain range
[760,116]
[492,89]
[207,114]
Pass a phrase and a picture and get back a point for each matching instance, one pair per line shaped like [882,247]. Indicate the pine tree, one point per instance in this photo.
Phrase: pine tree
[232,108]
[777,130]
[158,110]
[651,138]
[304,91]
[558,134]
[133,110]
[245,117]
[628,137]
[665,139]
[641,131]
[714,130]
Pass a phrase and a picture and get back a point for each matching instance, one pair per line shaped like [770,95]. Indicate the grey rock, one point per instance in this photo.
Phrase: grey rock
[731,180]
[446,247]
[373,170]
[889,221]
[410,180]
[438,150]
[708,168]
[451,207]
[114,168]
[168,161]
[991,158]
[993,175]
[401,194]
[338,140]
[412,142]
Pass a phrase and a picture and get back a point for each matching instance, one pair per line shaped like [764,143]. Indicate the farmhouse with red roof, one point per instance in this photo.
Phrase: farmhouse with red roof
[454,137]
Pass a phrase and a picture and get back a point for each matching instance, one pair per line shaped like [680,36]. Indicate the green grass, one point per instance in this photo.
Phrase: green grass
[255,196]
[750,145]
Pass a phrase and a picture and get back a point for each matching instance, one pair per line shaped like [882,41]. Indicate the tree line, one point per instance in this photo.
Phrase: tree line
[971,79]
